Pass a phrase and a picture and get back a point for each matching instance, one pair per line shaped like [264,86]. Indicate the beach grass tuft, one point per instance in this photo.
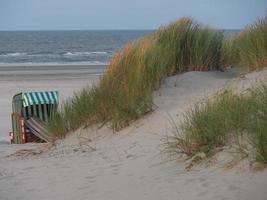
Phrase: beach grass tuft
[224,119]
[250,45]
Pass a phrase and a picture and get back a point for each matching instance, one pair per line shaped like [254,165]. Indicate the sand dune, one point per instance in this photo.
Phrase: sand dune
[99,164]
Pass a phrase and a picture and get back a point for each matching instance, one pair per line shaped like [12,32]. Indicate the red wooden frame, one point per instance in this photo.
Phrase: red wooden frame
[21,122]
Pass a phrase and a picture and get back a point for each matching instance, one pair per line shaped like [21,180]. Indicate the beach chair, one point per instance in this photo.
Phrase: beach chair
[30,112]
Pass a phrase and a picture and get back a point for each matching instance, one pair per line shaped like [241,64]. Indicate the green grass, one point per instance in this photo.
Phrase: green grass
[229,117]
[125,90]
[222,120]
[229,52]
[249,47]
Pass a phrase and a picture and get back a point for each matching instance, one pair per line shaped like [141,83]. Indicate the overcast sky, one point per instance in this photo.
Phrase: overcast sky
[125,14]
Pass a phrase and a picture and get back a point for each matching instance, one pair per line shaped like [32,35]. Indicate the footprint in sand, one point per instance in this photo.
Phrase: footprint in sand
[5,174]
[224,198]
[115,171]
[17,183]
[129,156]
[30,190]
[115,165]
[28,168]
[141,177]
[91,179]
[202,194]
[233,187]
[206,184]
[189,181]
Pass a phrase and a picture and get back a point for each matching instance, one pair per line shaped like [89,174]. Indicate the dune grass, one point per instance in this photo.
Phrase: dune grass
[228,117]
[230,52]
[125,90]
[249,47]
[223,120]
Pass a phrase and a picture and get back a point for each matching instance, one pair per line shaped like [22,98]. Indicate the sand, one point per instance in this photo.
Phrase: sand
[40,78]
[96,163]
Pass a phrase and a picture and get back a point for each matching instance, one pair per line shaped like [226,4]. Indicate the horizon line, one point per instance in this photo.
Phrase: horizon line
[79,30]
[138,29]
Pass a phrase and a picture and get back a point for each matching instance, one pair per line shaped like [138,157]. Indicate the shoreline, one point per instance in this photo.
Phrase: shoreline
[44,66]
[50,72]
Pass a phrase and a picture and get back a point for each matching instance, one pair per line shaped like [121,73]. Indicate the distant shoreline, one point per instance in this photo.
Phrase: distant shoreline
[53,66]
[51,72]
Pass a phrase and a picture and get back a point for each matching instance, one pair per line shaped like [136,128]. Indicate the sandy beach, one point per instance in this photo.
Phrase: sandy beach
[133,100]
[98,164]
[64,78]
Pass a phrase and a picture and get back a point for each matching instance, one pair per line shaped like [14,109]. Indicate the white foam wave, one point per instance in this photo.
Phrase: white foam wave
[78,53]
[99,52]
[84,53]
[52,64]
[14,54]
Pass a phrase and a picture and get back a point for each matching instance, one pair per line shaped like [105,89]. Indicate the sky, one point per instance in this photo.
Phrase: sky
[125,14]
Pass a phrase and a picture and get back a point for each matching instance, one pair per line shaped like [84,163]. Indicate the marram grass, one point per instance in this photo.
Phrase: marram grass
[125,90]
[249,47]
[223,120]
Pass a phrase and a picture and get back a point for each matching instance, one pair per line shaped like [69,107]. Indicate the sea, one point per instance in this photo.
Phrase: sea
[36,48]
[18,48]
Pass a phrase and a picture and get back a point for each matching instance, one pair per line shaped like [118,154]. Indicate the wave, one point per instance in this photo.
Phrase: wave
[13,54]
[54,58]
[23,64]
[99,52]
[85,53]
[17,54]
[78,53]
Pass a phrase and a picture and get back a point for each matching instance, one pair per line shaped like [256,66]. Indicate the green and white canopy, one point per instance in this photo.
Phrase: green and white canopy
[35,98]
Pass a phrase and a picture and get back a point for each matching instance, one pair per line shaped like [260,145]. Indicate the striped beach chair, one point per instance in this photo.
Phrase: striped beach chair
[30,112]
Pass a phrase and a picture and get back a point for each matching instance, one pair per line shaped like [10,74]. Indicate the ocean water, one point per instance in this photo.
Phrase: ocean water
[33,48]
[23,48]
[231,32]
